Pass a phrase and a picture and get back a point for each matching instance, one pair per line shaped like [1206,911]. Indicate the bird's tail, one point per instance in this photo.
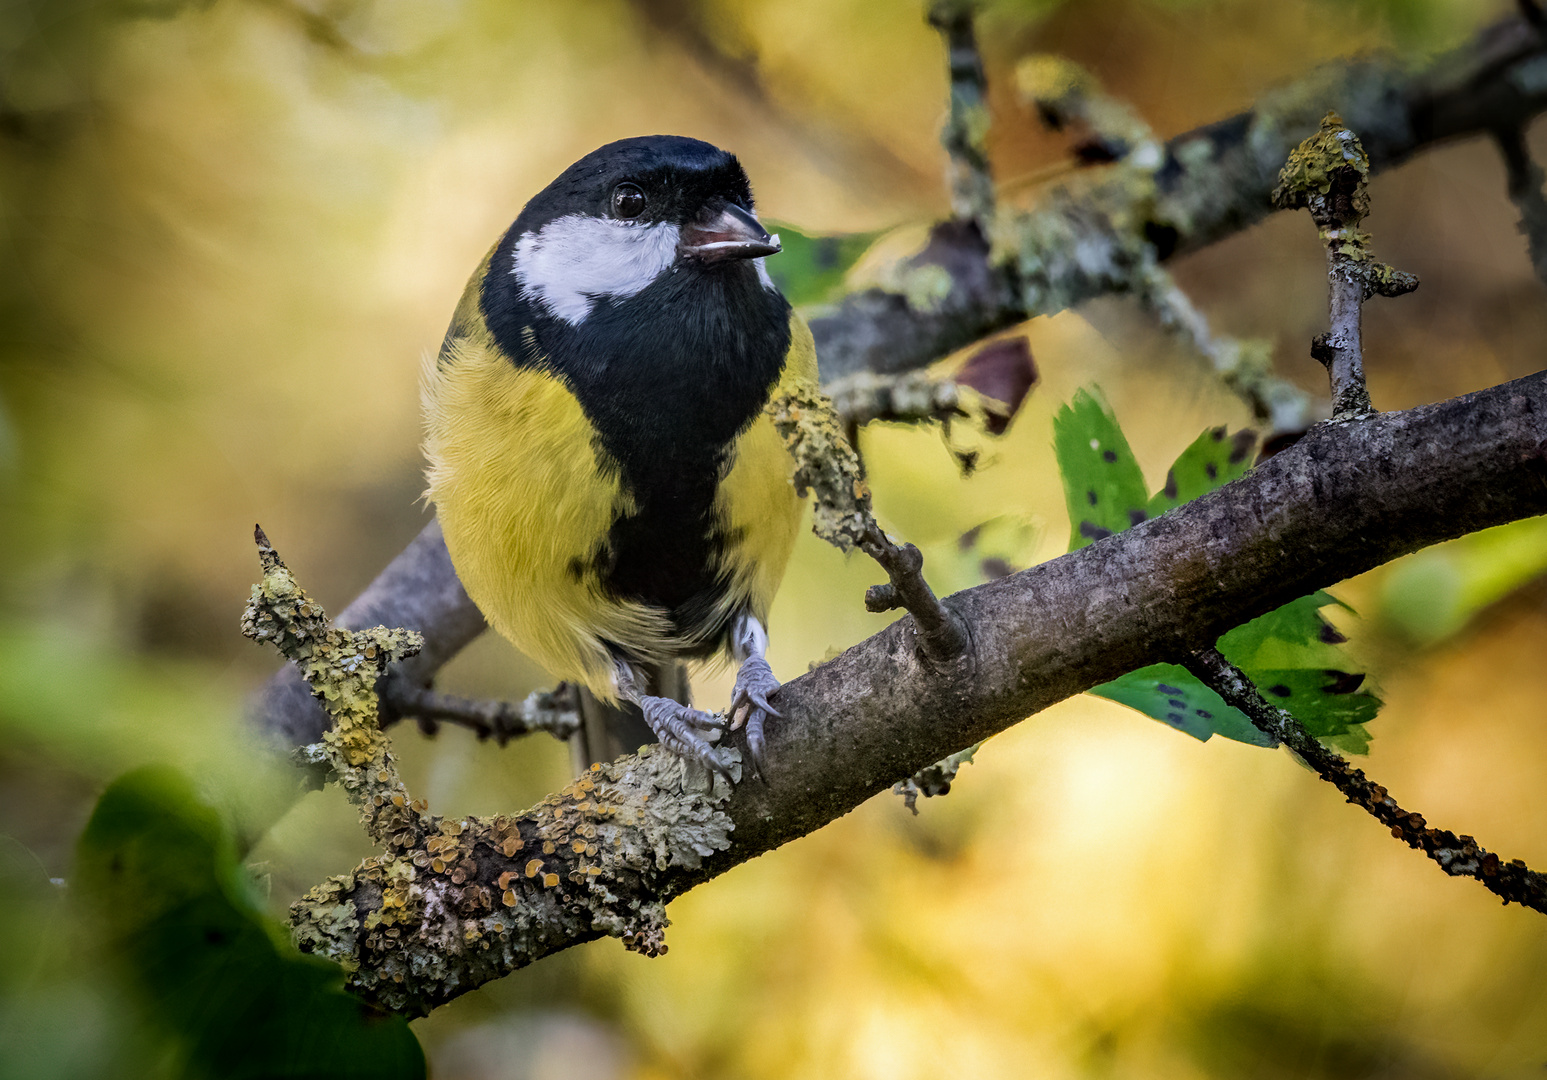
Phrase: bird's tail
[607,731]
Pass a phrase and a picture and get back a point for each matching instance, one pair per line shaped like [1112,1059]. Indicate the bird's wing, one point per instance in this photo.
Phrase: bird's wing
[526,503]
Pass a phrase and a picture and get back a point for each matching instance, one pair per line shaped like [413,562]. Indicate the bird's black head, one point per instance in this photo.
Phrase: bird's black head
[625,214]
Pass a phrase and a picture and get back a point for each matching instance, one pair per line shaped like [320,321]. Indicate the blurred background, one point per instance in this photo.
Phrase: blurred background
[232,230]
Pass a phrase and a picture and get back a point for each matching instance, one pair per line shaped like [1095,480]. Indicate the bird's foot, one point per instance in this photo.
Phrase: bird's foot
[755,683]
[686,732]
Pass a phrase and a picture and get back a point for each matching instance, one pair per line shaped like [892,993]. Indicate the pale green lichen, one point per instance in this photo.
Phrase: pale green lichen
[826,466]
[1064,93]
[1083,238]
[452,904]
[965,133]
[342,668]
[934,780]
[1328,174]
[485,896]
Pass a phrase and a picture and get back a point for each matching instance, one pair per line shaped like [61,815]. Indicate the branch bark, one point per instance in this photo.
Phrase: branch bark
[1215,181]
[1096,236]
[1345,498]
[1458,856]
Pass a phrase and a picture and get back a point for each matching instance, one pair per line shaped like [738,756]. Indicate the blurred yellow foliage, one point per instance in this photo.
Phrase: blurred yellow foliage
[232,230]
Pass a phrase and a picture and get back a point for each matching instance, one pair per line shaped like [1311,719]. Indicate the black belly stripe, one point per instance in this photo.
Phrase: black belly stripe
[669,378]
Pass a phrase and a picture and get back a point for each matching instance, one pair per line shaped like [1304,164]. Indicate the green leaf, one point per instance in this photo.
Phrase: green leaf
[991,550]
[1171,694]
[1292,653]
[1212,461]
[810,269]
[1293,636]
[158,868]
[1327,702]
[1433,594]
[1103,484]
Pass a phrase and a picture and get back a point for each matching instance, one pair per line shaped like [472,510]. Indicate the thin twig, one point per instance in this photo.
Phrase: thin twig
[554,711]
[1525,191]
[942,637]
[965,136]
[1327,174]
[1458,856]
[1245,366]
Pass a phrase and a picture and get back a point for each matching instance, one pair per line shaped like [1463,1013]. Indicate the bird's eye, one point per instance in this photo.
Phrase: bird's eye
[627,201]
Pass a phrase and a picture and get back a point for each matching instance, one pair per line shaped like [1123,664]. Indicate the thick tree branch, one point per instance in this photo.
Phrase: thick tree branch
[1458,856]
[1345,498]
[1215,181]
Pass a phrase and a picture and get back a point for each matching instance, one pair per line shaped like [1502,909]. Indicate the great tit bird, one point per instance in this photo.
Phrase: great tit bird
[612,493]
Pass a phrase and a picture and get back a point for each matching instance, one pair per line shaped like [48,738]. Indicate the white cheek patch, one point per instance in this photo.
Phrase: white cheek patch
[572,261]
[762,274]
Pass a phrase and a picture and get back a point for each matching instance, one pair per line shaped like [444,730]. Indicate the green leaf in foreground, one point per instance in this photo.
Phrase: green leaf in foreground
[158,869]
[1292,653]
[810,269]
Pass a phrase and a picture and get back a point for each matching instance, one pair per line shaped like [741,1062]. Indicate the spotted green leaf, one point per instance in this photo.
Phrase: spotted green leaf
[1213,459]
[1292,653]
[1103,484]
[1173,696]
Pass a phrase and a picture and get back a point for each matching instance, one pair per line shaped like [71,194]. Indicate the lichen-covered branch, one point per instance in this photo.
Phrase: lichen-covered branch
[1458,856]
[1327,174]
[341,667]
[934,780]
[965,136]
[420,591]
[450,904]
[827,468]
[1345,498]
[1097,232]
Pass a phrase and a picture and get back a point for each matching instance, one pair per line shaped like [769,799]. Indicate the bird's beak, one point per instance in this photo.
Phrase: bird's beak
[732,233]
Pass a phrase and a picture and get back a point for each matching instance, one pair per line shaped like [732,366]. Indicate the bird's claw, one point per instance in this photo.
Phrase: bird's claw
[755,683]
[687,732]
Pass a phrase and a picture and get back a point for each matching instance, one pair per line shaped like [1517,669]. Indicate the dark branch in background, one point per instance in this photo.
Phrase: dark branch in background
[1525,191]
[1089,237]
[965,136]
[554,711]
[1068,98]
[1344,499]
[1458,856]
[1214,181]
[1327,175]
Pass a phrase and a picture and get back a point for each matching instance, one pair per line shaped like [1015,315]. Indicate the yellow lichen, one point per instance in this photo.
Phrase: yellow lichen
[825,464]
